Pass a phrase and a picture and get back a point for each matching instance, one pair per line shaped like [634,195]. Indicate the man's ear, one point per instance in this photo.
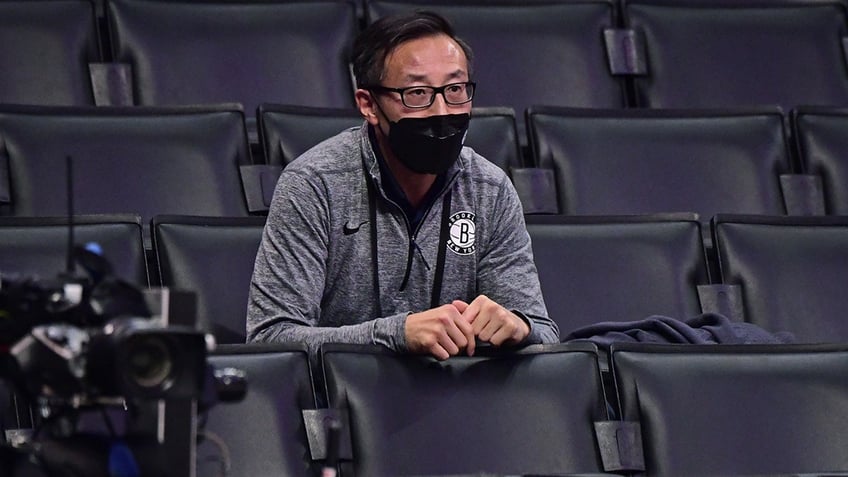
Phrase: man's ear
[366,105]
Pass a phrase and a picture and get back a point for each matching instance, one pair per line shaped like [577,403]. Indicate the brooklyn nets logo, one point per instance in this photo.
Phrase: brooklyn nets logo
[461,228]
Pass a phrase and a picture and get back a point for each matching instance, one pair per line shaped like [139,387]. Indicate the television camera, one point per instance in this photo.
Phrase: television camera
[88,347]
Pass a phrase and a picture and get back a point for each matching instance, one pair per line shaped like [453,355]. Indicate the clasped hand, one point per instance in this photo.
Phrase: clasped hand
[452,328]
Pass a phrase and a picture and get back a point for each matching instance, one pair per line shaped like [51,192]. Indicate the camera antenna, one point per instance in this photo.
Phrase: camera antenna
[69,179]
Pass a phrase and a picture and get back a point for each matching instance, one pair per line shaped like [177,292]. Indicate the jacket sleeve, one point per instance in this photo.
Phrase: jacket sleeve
[287,286]
[506,269]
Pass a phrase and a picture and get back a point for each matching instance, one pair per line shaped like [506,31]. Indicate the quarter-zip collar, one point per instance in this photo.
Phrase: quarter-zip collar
[383,181]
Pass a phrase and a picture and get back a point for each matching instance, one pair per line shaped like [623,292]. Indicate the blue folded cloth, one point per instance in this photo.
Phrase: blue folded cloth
[708,328]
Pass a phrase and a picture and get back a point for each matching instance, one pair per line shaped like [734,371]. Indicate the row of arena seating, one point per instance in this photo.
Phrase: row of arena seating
[586,53]
[545,410]
[780,273]
[608,161]
[677,410]
[197,160]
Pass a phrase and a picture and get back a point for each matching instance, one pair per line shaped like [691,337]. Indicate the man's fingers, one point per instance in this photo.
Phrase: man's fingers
[473,310]
[467,331]
[492,326]
[439,352]
[503,335]
[448,343]
[460,305]
[480,318]
[455,335]
[435,332]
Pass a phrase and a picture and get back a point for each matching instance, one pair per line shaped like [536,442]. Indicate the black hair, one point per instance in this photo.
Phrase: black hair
[374,44]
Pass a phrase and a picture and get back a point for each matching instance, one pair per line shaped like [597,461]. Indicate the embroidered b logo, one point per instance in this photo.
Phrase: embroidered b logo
[462,233]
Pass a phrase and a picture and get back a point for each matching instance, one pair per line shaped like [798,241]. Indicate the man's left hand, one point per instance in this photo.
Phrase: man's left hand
[491,322]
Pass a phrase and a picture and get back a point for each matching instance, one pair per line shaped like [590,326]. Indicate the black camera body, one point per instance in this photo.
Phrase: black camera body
[128,357]
[81,343]
[88,339]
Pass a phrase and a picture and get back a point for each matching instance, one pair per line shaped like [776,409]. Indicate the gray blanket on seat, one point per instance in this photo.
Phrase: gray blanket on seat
[708,328]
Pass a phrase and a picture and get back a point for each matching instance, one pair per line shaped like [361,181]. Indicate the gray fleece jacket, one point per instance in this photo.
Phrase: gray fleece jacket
[337,262]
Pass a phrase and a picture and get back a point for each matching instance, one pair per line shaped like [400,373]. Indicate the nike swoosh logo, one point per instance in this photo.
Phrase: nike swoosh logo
[349,229]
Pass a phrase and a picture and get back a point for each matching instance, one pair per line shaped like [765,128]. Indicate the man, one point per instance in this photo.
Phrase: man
[394,233]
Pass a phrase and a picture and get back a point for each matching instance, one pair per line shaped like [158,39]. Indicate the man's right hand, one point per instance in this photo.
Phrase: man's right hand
[441,332]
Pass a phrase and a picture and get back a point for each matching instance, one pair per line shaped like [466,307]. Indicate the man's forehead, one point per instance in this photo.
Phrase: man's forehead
[413,77]
[420,58]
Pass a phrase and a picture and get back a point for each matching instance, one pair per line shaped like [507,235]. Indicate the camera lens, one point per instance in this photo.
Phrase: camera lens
[149,361]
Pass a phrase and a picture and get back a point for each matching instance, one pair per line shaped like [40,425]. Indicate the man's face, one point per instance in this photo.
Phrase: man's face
[429,61]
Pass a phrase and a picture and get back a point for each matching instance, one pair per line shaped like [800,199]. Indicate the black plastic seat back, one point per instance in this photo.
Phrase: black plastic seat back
[791,271]
[528,411]
[38,246]
[145,161]
[264,433]
[287,131]
[528,53]
[213,257]
[736,409]
[596,269]
[611,162]
[493,133]
[45,49]
[731,53]
[249,52]
[821,135]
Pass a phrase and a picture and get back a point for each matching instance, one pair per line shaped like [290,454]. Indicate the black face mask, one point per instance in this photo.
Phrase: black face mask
[428,145]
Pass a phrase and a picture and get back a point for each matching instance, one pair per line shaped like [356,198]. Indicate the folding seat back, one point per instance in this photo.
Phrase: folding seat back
[736,409]
[791,271]
[250,52]
[37,247]
[213,257]
[530,411]
[145,161]
[45,49]
[493,133]
[648,161]
[596,269]
[286,131]
[528,53]
[264,433]
[730,53]
[821,135]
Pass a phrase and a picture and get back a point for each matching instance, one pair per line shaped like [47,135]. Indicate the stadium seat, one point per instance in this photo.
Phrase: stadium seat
[595,269]
[611,162]
[821,135]
[45,50]
[286,131]
[213,257]
[140,160]
[530,52]
[249,52]
[527,411]
[736,409]
[264,434]
[37,247]
[791,271]
[739,53]
[493,133]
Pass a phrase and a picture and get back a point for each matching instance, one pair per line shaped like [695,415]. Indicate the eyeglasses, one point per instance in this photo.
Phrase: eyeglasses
[417,97]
